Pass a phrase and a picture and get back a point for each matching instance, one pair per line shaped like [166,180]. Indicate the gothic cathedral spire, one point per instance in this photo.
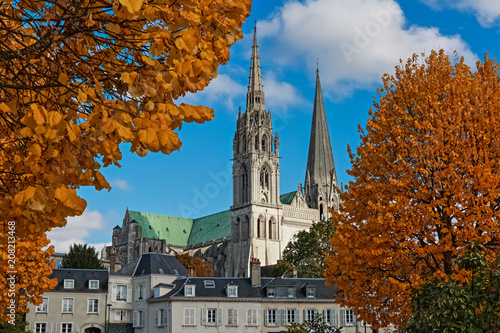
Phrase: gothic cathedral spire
[255,94]
[321,178]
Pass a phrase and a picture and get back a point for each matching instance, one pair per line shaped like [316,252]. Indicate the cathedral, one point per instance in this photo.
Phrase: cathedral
[261,220]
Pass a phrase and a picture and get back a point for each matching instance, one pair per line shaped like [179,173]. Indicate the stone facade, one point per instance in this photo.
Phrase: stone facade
[261,221]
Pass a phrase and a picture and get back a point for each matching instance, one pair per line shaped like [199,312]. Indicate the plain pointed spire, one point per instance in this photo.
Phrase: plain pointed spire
[320,171]
[255,94]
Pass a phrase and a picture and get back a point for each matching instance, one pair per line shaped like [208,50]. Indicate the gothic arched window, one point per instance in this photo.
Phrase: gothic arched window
[264,143]
[244,184]
[256,142]
[264,178]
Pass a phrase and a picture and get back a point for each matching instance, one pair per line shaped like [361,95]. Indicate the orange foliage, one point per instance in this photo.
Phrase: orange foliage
[200,267]
[426,183]
[79,78]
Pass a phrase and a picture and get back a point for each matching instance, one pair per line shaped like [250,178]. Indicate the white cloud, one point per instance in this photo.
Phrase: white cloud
[355,41]
[222,89]
[280,95]
[76,230]
[121,184]
[487,12]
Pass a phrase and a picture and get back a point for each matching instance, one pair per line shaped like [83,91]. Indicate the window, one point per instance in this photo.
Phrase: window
[139,319]
[330,317]
[121,292]
[291,316]
[311,292]
[121,315]
[67,305]
[69,284]
[41,328]
[310,314]
[161,317]
[44,306]
[252,317]
[189,291]
[270,292]
[139,292]
[347,317]
[66,327]
[189,317]
[211,316]
[232,291]
[272,317]
[291,292]
[93,305]
[232,317]
[209,283]
[94,284]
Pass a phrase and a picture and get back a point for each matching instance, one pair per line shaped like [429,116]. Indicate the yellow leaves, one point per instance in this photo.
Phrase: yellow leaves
[129,77]
[63,78]
[82,97]
[133,6]
[39,114]
[23,196]
[147,136]
[70,199]
[54,118]
[114,28]
[4,107]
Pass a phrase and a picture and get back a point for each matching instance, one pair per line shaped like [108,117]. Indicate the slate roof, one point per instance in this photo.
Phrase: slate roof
[153,263]
[245,289]
[287,198]
[81,279]
[182,232]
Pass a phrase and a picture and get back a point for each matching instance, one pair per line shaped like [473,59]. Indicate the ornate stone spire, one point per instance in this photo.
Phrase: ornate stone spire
[321,178]
[255,94]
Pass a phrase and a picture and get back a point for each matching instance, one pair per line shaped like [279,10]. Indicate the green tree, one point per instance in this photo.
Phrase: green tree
[82,256]
[306,251]
[19,325]
[469,302]
[317,325]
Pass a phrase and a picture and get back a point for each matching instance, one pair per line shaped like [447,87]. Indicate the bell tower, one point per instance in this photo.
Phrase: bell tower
[256,180]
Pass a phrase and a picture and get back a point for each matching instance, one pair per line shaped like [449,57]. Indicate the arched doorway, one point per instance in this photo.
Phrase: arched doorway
[92,330]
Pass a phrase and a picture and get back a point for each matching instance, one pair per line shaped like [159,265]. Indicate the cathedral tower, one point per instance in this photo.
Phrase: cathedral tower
[320,186]
[256,178]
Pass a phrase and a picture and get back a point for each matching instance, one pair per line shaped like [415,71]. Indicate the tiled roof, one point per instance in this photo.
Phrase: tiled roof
[287,198]
[212,227]
[81,279]
[245,289]
[174,230]
[153,263]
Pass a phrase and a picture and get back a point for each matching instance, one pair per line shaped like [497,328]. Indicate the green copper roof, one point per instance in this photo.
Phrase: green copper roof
[211,227]
[175,230]
[287,198]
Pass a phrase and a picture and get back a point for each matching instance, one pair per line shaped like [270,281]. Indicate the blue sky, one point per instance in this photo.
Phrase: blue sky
[355,43]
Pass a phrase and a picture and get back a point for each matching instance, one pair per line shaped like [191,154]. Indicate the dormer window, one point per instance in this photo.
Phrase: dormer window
[271,292]
[94,284]
[69,284]
[209,283]
[189,291]
[291,292]
[311,292]
[232,291]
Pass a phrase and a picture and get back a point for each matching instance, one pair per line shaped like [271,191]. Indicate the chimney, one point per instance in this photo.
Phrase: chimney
[255,272]
[190,271]
[112,262]
[294,273]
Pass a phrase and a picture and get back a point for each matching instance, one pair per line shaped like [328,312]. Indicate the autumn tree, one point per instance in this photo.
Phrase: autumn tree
[197,266]
[426,184]
[83,257]
[79,77]
[471,305]
[306,252]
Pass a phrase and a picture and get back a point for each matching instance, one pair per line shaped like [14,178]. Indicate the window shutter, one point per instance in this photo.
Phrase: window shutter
[203,316]
[296,316]
[113,292]
[354,319]
[342,317]
[136,296]
[165,313]
[325,319]
[256,317]
[219,316]
[304,313]
[157,317]
[266,317]
[129,294]
[134,322]
[186,316]
[283,317]
[315,313]
[229,317]
[235,317]
[249,314]
[278,317]
[49,328]
[335,320]
[143,318]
